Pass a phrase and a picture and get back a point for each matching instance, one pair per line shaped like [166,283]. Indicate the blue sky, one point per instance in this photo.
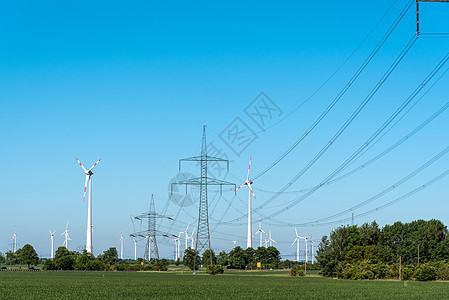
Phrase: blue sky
[133,84]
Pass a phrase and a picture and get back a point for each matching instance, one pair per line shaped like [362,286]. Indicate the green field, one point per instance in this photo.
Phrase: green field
[232,285]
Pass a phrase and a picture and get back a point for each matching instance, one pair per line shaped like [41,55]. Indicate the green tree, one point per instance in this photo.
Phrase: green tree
[223,258]
[209,258]
[237,258]
[109,256]
[191,259]
[65,259]
[250,258]
[28,255]
[11,257]
[2,258]
[84,261]
[273,256]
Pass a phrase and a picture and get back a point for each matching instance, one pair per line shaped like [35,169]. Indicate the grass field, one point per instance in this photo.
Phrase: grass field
[232,285]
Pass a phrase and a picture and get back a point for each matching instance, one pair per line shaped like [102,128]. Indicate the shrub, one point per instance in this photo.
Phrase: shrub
[443,272]
[296,271]
[214,269]
[408,271]
[426,272]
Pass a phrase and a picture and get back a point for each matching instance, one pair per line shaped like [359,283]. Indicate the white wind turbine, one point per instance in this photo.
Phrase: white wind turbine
[179,244]
[260,231]
[269,239]
[121,245]
[89,204]
[313,253]
[66,236]
[187,236]
[14,243]
[297,245]
[191,238]
[250,191]
[52,234]
[177,241]
[135,248]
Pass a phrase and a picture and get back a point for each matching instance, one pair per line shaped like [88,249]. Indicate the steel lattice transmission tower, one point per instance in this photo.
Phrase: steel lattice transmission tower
[203,234]
[151,249]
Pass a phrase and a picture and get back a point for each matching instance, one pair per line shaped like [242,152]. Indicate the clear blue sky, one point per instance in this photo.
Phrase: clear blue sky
[133,84]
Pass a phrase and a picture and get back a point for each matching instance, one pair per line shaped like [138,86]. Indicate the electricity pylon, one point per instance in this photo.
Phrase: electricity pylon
[203,234]
[151,250]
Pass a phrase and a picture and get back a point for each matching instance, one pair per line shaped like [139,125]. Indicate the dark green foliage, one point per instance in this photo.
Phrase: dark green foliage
[426,272]
[443,272]
[214,269]
[237,258]
[2,258]
[11,257]
[27,255]
[223,258]
[209,258]
[65,259]
[109,256]
[49,265]
[191,259]
[367,252]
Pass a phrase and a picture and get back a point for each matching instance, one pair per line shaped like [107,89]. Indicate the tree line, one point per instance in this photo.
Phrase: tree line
[416,250]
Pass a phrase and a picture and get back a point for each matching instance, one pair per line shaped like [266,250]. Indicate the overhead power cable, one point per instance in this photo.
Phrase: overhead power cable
[379,208]
[342,92]
[337,135]
[384,192]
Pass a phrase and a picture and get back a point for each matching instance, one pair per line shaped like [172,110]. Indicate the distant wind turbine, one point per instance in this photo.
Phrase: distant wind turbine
[52,234]
[89,174]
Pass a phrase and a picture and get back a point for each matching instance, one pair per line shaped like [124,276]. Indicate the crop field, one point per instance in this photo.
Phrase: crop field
[232,285]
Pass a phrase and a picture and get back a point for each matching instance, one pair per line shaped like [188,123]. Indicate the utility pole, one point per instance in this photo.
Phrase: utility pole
[203,234]
[418,253]
[400,267]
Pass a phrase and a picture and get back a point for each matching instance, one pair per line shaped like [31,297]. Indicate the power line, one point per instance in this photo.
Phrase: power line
[342,92]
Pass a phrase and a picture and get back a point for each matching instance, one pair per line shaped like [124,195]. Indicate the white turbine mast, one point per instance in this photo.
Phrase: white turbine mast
[179,244]
[250,191]
[52,234]
[66,236]
[121,245]
[89,174]
[177,241]
[259,232]
[187,236]
[192,239]
[135,248]
[14,243]
[313,253]
[297,245]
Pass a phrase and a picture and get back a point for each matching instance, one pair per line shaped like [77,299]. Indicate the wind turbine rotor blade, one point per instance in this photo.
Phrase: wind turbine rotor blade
[251,189]
[94,165]
[81,164]
[296,233]
[239,187]
[294,242]
[85,187]
[249,167]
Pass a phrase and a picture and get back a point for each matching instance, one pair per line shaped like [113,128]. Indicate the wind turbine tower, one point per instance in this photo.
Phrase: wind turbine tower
[121,245]
[52,234]
[66,236]
[89,174]
[14,243]
[250,191]
[259,232]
